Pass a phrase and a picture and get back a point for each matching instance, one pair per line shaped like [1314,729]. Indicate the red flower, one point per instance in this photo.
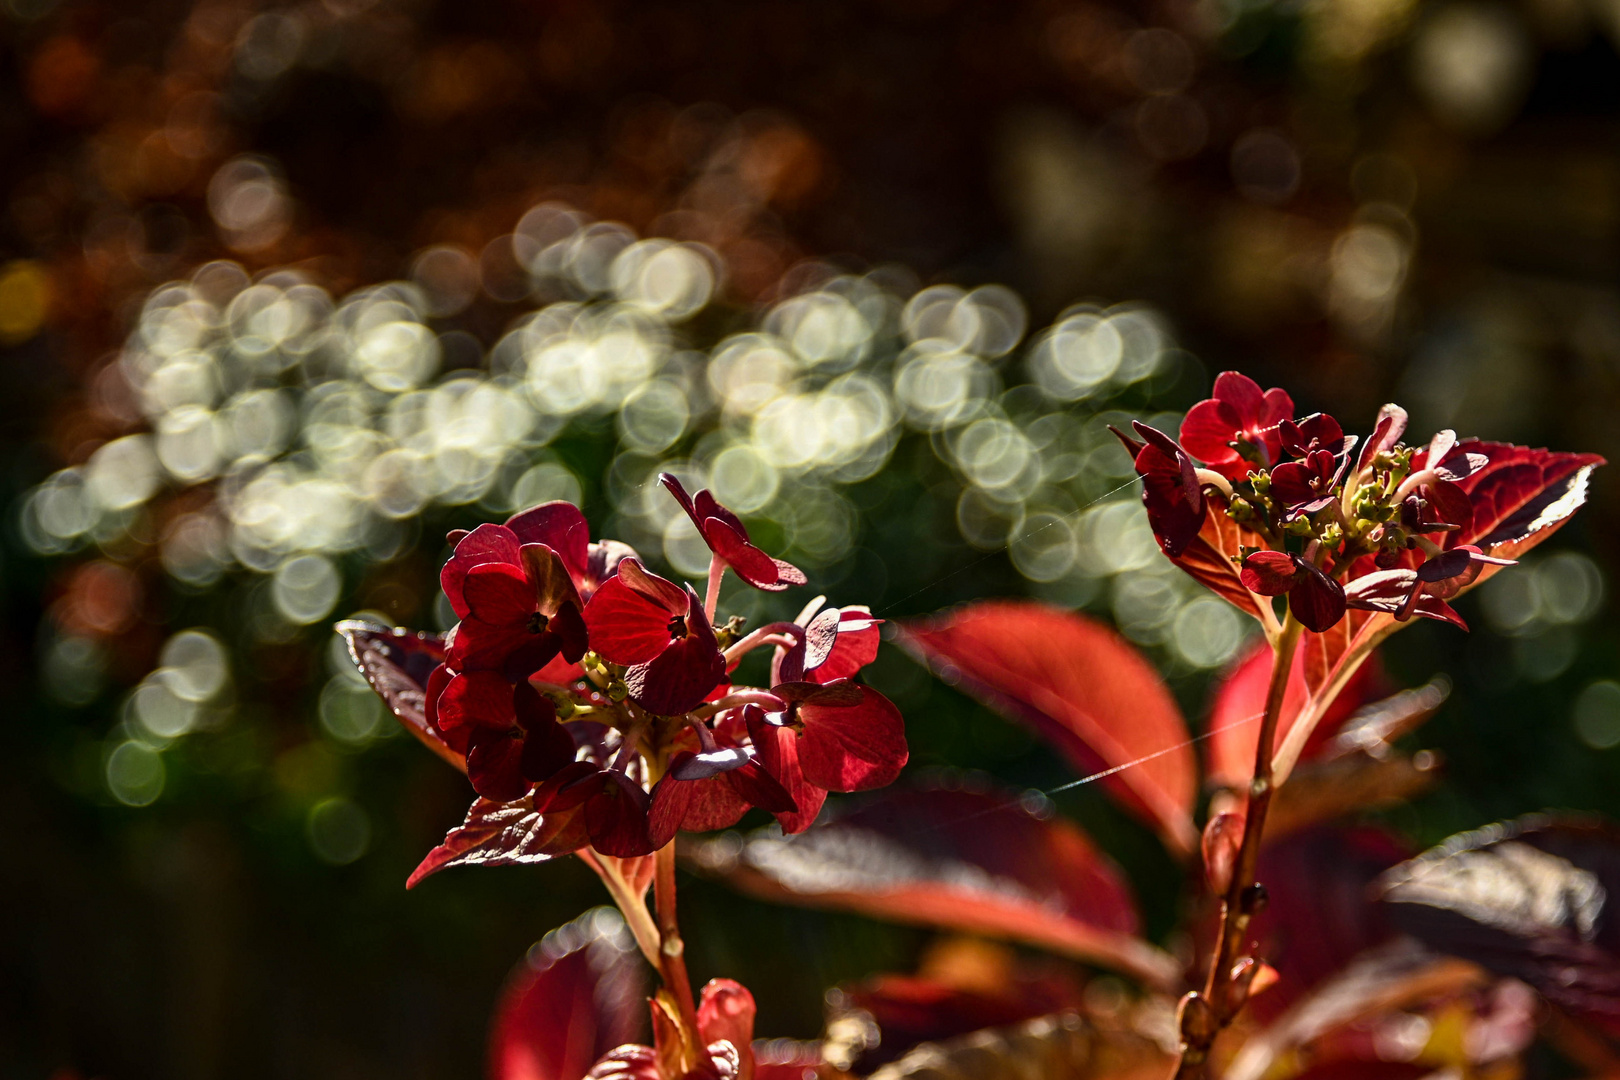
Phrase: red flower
[1318,431]
[1171,490]
[613,804]
[727,537]
[1315,599]
[1424,591]
[659,630]
[837,737]
[713,786]
[1430,497]
[1236,430]
[831,644]
[1305,487]
[509,733]
[517,604]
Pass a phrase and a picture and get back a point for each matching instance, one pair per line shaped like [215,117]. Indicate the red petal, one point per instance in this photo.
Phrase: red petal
[528,653]
[547,745]
[666,594]
[477,698]
[675,488]
[616,818]
[679,678]
[852,747]
[777,750]
[1205,432]
[1243,395]
[576,996]
[573,639]
[1291,483]
[692,806]
[1170,492]
[625,626]
[435,687]
[759,788]
[1317,601]
[1278,407]
[751,564]
[1449,503]
[553,585]
[498,593]
[495,764]
[1080,686]
[706,506]
[485,544]
[788,574]
[482,646]
[726,1011]
[855,646]
[1269,573]
[559,526]
[1391,426]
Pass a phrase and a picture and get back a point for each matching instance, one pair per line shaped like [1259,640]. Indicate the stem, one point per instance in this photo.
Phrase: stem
[1204,1020]
[763,698]
[631,904]
[672,950]
[762,636]
[717,570]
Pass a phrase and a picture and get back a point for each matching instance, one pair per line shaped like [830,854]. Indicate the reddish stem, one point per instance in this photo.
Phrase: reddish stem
[717,570]
[1204,1015]
[672,950]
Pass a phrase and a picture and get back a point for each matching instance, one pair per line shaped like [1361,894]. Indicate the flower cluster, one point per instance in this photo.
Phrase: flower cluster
[591,701]
[1393,528]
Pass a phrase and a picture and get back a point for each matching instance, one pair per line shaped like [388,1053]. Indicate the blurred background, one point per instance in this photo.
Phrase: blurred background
[287,290]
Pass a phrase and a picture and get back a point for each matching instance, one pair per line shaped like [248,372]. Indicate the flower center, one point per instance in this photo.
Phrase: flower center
[537,623]
[677,627]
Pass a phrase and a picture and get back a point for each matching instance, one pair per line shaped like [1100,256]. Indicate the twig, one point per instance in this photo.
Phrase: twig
[1204,1015]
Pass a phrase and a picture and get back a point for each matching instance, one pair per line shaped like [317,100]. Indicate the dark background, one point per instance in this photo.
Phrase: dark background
[1213,161]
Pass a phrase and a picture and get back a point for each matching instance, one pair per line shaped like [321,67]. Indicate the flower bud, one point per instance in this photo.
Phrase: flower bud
[617,691]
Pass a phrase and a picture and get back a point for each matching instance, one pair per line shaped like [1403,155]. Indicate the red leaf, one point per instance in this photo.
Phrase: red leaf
[577,996]
[1319,915]
[1532,900]
[1240,700]
[397,664]
[1209,557]
[503,834]
[1521,496]
[1343,1029]
[931,1006]
[1081,687]
[977,861]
